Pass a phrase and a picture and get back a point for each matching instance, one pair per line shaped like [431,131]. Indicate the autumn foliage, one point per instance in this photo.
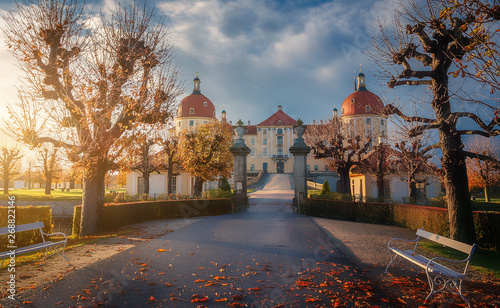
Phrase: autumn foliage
[204,152]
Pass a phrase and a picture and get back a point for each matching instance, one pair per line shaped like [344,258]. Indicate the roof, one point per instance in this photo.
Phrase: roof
[274,119]
[202,107]
[357,102]
[251,130]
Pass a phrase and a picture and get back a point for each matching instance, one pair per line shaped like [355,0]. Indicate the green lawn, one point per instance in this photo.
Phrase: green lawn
[483,260]
[39,195]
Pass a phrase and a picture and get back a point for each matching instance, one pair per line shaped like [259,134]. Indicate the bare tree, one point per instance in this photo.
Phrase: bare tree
[49,157]
[98,77]
[10,163]
[170,159]
[427,63]
[483,173]
[379,162]
[342,150]
[480,26]
[30,168]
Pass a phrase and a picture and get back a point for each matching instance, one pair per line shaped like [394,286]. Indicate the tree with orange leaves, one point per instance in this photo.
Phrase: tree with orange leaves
[483,173]
[204,152]
[89,79]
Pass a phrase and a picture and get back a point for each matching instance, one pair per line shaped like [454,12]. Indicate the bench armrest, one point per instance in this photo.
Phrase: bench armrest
[403,240]
[56,233]
[431,261]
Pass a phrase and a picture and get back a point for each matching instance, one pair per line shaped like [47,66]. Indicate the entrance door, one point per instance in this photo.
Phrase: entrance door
[264,166]
[281,167]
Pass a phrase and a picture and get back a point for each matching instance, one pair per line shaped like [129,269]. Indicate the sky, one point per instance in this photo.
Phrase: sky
[253,55]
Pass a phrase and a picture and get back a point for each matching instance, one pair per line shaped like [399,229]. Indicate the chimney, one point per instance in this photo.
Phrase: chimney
[248,122]
[279,107]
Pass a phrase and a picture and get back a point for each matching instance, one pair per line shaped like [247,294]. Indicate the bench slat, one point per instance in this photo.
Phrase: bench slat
[445,241]
[31,248]
[422,261]
[25,227]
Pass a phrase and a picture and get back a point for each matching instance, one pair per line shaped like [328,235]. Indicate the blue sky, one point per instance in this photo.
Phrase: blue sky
[253,55]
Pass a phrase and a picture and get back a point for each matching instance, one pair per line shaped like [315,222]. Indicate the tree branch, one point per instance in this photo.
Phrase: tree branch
[495,162]
[392,110]
[56,143]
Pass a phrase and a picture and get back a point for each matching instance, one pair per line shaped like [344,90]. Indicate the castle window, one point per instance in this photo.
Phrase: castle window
[368,121]
[280,140]
[264,141]
[252,153]
[382,122]
[264,131]
[191,110]
[204,104]
[252,167]
[252,141]
[264,152]
[353,100]
[280,122]
[191,123]
[368,108]
[280,131]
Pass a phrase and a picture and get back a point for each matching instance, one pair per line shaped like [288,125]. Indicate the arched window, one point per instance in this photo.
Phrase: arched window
[280,122]
[191,110]
[280,131]
[204,104]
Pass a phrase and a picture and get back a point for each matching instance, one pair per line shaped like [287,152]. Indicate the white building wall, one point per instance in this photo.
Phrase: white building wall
[157,184]
[131,183]
[399,189]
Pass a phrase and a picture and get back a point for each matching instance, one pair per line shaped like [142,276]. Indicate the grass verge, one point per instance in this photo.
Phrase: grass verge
[483,260]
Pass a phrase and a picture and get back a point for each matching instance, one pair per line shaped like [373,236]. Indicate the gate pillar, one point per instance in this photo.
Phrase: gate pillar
[299,150]
[240,152]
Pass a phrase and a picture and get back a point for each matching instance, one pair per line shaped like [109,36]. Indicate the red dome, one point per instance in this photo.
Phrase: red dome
[196,105]
[362,102]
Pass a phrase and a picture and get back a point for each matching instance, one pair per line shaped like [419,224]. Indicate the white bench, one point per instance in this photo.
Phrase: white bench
[440,277]
[40,246]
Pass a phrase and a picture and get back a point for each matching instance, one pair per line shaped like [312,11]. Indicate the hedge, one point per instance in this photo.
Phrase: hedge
[117,215]
[25,215]
[487,224]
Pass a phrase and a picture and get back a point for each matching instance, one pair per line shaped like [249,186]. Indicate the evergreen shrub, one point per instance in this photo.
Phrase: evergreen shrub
[25,215]
[325,189]
[117,215]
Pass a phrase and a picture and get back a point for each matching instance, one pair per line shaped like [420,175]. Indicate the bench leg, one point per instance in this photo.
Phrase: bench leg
[393,256]
[439,283]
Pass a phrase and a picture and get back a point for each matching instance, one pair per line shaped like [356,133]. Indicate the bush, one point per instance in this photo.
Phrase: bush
[117,215]
[225,185]
[217,194]
[325,189]
[26,215]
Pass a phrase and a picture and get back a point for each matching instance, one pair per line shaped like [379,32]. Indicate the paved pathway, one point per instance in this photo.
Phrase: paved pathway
[265,256]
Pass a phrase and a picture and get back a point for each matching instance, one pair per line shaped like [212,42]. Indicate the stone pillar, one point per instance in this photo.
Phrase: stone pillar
[240,152]
[299,150]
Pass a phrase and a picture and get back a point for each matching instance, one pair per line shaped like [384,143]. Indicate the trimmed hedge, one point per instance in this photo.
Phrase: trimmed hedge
[435,220]
[25,215]
[117,215]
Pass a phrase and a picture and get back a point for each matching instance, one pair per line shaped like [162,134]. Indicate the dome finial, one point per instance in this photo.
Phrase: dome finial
[196,89]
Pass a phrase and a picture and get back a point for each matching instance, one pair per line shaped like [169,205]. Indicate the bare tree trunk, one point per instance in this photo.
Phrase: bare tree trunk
[93,198]
[412,186]
[198,187]
[486,195]
[345,187]
[380,187]
[6,183]
[145,189]
[457,190]
[170,175]
[48,185]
